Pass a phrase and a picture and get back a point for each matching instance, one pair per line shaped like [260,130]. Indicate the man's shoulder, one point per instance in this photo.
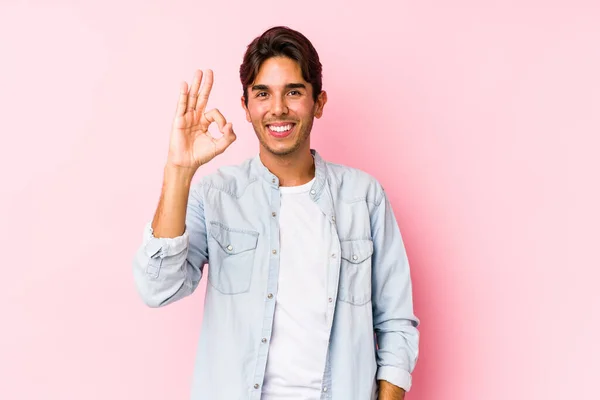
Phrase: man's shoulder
[344,171]
[232,179]
[354,183]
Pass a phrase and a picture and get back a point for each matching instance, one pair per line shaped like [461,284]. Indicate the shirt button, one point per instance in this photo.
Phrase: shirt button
[256,386]
[274,251]
[313,192]
[333,255]
[264,340]
[270,295]
[230,247]
[330,299]
[333,219]
[274,214]
[355,257]
[325,389]
[273,180]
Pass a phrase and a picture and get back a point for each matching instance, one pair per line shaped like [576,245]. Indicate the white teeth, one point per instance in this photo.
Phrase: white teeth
[281,128]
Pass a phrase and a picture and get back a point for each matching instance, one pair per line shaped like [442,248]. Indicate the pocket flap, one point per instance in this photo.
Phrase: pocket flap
[233,241]
[357,251]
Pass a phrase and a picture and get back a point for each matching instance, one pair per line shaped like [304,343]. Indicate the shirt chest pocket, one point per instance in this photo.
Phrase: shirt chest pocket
[355,271]
[231,255]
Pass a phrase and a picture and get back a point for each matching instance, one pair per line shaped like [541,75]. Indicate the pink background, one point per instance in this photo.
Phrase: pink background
[481,119]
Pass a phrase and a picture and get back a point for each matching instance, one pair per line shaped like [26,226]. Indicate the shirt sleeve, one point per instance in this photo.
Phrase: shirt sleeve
[394,322]
[168,269]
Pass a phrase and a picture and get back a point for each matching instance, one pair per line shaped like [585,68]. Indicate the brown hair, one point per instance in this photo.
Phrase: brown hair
[281,41]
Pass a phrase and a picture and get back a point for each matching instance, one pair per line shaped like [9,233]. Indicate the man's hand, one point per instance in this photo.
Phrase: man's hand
[191,144]
[388,391]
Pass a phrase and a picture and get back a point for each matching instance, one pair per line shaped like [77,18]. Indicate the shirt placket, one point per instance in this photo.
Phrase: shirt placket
[326,204]
[271,294]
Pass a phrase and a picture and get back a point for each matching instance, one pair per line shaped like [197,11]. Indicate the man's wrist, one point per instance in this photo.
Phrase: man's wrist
[177,175]
[389,391]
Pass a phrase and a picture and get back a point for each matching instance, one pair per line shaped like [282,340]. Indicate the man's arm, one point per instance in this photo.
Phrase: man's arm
[394,322]
[169,218]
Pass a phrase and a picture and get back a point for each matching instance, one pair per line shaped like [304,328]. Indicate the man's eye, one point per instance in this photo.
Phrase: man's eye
[295,93]
[261,94]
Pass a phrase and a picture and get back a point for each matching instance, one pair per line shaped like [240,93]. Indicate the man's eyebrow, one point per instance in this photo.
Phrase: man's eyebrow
[295,86]
[288,86]
[260,87]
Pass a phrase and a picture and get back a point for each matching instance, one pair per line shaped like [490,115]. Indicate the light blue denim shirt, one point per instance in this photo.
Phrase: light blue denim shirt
[232,225]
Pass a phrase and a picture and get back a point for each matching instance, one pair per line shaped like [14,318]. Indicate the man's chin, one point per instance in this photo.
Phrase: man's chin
[281,152]
[278,149]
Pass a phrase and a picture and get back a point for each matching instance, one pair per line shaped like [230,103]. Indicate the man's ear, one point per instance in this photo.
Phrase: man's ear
[320,103]
[246,109]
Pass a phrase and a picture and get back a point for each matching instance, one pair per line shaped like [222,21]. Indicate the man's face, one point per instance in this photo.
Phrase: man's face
[281,106]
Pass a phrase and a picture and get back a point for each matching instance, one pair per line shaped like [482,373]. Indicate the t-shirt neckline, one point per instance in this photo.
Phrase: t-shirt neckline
[297,189]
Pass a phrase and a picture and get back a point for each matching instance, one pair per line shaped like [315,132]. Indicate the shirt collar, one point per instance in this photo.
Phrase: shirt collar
[272,180]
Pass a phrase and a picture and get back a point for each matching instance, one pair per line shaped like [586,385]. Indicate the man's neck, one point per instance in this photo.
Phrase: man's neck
[293,169]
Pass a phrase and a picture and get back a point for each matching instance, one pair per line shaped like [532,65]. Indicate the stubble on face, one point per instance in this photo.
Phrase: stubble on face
[301,137]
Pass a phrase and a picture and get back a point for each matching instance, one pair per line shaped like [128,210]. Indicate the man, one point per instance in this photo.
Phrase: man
[309,293]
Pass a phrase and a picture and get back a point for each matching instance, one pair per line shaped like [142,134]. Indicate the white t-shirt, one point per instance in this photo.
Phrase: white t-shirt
[299,341]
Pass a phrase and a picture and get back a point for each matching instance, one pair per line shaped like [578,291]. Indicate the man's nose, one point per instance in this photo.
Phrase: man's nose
[279,106]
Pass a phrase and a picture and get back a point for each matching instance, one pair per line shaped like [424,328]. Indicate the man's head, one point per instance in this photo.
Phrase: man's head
[281,77]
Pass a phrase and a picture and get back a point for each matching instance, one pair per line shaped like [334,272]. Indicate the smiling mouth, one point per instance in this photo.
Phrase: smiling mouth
[280,128]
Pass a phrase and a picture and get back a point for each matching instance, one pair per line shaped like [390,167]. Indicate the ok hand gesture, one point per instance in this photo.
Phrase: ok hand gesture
[191,145]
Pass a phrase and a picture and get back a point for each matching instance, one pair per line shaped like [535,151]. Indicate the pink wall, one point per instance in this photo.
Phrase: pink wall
[482,122]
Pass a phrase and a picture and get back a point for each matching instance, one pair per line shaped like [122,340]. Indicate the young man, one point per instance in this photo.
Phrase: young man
[309,293]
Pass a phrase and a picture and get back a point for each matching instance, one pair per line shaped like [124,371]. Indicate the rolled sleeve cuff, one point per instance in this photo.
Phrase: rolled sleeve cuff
[395,376]
[163,247]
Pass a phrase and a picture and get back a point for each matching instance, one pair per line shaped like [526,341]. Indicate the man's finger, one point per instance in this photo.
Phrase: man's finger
[211,116]
[182,102]
[205,91]
[225,141]
[193,94]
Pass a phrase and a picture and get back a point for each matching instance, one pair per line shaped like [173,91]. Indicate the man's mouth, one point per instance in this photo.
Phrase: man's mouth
[281,129]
